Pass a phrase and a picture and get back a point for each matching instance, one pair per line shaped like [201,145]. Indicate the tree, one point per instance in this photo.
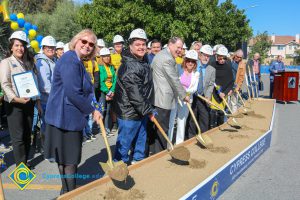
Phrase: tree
[261,45]
[32,6]
[297,57]
[61,24]
[192,20]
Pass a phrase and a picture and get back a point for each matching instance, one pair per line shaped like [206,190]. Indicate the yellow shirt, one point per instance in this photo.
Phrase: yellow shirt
[116,60]
[179,60]
[91,68]
[108,81]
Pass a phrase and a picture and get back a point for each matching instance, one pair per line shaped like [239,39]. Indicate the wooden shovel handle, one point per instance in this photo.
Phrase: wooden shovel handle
[1,190]
[103,133]
[239,95]
[211,103]
[193,116]
[224,100]
[161,130]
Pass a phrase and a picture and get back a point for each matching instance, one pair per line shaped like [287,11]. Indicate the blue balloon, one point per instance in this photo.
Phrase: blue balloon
[21,22]
[26,31]
[35,27]
[13,17]
[27,26]
[39,38]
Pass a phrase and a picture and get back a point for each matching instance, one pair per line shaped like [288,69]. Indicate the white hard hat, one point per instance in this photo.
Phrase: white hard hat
[138,33]
[100,43]
[118,38]
[60,45]
[215,48]
[104,52]
[20,35]
[184,46]
[222,51]
[191,54]
[48,41]
[149,45]
[206,49]
[66,47]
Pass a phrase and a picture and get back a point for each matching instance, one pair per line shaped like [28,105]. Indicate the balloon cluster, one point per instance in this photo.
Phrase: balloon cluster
[18,22]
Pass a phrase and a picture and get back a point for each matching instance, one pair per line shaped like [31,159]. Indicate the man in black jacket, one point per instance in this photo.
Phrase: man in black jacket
[132,100]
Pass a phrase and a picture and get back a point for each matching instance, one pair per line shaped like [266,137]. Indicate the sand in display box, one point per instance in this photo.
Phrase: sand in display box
[207,175]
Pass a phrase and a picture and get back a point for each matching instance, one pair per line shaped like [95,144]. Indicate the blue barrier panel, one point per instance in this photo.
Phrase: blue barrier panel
[216,184]
[219,182]
[265,69]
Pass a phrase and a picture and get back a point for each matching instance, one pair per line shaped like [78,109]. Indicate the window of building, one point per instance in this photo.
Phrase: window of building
[280,47]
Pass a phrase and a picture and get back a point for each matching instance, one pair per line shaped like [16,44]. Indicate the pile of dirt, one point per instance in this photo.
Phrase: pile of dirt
[256,115]
[180,153]
[238,136]
[197,164]
[119,172]
[219,150]
[133,194]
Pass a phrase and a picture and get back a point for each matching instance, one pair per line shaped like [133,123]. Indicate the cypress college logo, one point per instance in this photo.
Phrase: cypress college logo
[214,189]
[22,176]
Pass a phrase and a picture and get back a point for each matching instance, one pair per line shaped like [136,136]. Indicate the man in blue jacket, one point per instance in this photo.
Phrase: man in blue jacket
[276,66]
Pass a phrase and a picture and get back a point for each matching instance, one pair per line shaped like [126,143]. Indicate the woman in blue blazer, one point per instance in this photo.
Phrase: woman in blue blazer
[71,99]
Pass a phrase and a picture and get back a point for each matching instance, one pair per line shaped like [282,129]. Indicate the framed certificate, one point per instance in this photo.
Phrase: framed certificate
[26,85]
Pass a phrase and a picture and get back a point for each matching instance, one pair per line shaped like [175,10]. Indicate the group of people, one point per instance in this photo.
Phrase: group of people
[129,87]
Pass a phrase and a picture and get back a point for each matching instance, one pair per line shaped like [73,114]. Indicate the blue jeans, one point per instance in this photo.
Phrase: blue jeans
[255,87]
[131,132]
[42,119]
[35,118]
[87,131]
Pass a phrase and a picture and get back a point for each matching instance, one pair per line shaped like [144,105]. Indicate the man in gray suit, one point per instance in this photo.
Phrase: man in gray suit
[167,88]
[205,88]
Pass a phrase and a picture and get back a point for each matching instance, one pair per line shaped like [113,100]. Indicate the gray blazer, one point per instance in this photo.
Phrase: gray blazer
[209,80]
[167,86]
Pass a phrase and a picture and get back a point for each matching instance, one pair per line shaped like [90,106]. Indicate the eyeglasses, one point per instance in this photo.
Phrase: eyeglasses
[86,42]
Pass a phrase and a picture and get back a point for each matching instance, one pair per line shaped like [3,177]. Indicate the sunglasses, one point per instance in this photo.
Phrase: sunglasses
[190,60]
[86,42]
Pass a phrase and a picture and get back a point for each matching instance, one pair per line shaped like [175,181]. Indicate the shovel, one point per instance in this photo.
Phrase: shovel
[1,190]
[237,125]
[246,112]
[178,153]
[251,83]
[205,140]
[115,170]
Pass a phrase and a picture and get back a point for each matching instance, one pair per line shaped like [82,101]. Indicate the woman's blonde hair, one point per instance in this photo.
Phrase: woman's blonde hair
[184,65]
[81,34]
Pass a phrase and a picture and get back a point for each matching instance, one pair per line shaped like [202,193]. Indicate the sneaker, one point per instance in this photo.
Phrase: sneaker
[93,137]
[87,139]
[109,133]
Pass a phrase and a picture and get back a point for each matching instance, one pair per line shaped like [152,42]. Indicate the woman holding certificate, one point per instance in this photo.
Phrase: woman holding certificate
[19,86]
[71,99]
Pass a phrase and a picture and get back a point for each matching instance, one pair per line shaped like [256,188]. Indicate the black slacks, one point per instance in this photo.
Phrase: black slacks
[201,111]
[156,141]
[19,118]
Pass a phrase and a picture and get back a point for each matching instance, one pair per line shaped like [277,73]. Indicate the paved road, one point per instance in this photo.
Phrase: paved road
[273,176]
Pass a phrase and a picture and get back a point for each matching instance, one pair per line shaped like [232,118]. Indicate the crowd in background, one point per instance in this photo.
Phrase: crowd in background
[127,87]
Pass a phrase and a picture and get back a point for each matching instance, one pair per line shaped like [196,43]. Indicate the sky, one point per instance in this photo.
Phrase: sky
[279,17]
